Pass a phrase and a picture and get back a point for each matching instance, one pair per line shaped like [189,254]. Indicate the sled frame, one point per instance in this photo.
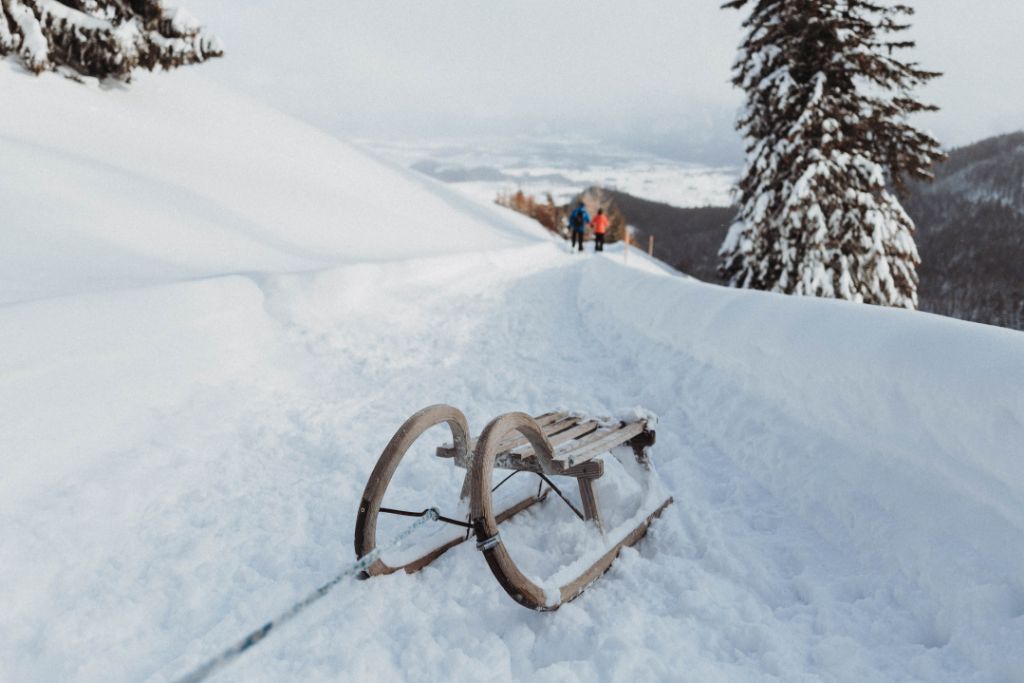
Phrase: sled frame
[555,443]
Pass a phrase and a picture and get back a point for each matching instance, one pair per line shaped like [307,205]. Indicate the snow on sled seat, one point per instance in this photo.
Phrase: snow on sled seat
[552,444]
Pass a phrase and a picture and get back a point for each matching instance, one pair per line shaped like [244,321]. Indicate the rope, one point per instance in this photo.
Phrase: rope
[561,495]
[514,473]
[440,518]
[229,655]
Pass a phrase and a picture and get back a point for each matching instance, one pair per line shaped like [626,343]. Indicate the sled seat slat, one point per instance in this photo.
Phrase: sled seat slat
[552,423]
[566,437]
[572,452]
[575,444]
[602,442]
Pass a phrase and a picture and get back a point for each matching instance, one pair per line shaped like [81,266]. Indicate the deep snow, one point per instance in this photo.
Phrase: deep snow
[215,317]
[176,179]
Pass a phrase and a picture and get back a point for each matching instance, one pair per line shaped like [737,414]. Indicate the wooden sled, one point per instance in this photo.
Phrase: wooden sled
[553,444]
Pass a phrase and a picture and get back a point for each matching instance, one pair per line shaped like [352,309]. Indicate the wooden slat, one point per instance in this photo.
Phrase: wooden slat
[525,458]
[602,442]
[549,422]
[549,418]
[574,447]
[572,590]
[591,444]
[517,440]
[562,451]
[575,432]
[580,430]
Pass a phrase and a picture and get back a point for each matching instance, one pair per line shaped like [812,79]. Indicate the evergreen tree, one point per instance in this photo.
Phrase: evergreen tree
[828,144]
[102,38]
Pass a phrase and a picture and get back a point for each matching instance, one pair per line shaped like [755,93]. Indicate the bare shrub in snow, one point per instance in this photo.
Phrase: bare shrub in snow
[598,198]
[102,38]
[828,141]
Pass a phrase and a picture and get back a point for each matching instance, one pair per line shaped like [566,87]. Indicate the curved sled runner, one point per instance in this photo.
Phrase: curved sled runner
[553,444]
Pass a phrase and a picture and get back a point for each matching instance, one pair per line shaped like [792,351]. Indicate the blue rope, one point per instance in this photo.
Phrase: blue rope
[229,655]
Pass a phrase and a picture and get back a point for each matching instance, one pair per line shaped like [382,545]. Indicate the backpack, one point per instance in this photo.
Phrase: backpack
[576,219]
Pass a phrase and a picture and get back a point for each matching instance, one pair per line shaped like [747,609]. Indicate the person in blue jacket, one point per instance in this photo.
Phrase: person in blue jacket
[578,221]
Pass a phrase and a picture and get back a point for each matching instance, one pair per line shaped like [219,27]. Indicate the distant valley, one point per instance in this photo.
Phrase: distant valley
[486,168]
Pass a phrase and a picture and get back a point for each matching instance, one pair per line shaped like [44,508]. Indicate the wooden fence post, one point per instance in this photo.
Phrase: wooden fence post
[650,246]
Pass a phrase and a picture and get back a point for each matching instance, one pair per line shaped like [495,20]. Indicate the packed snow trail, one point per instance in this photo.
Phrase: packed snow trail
[236,499]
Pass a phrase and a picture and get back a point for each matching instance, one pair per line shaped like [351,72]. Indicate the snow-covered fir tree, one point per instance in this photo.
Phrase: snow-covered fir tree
[102,38]
[828,144]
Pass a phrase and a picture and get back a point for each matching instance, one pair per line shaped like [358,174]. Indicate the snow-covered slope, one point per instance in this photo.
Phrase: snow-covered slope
[175,178]
[216,317]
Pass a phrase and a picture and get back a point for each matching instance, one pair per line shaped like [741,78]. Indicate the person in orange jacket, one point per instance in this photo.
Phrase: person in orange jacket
[600,225]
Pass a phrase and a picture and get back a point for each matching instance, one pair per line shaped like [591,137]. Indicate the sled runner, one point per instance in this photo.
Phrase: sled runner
[554,444]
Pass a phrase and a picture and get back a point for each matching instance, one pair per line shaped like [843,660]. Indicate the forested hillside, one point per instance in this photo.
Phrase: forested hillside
[970,233]
[685,238]
[970,224]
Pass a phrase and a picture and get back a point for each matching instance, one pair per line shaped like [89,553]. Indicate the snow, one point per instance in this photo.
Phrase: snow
[183,22]
[55,10]
[33,46]
[485,168]
[175,179]
[214,317]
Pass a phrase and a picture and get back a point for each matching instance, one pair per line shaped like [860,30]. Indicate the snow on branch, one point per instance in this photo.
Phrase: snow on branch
[102,38]
[829,146]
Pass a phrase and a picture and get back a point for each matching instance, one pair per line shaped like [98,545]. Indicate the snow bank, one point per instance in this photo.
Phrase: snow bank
[938,392]
[177,178]
[898,435]
[107,367]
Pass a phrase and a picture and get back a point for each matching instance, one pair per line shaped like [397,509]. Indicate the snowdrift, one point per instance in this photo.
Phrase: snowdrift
[898,436]
[176,178]
[214,317]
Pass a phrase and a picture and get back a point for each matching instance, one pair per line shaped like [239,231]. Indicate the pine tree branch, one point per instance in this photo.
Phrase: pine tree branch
[101,38]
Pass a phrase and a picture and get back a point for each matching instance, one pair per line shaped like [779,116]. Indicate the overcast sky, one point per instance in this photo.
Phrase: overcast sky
[652,72]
